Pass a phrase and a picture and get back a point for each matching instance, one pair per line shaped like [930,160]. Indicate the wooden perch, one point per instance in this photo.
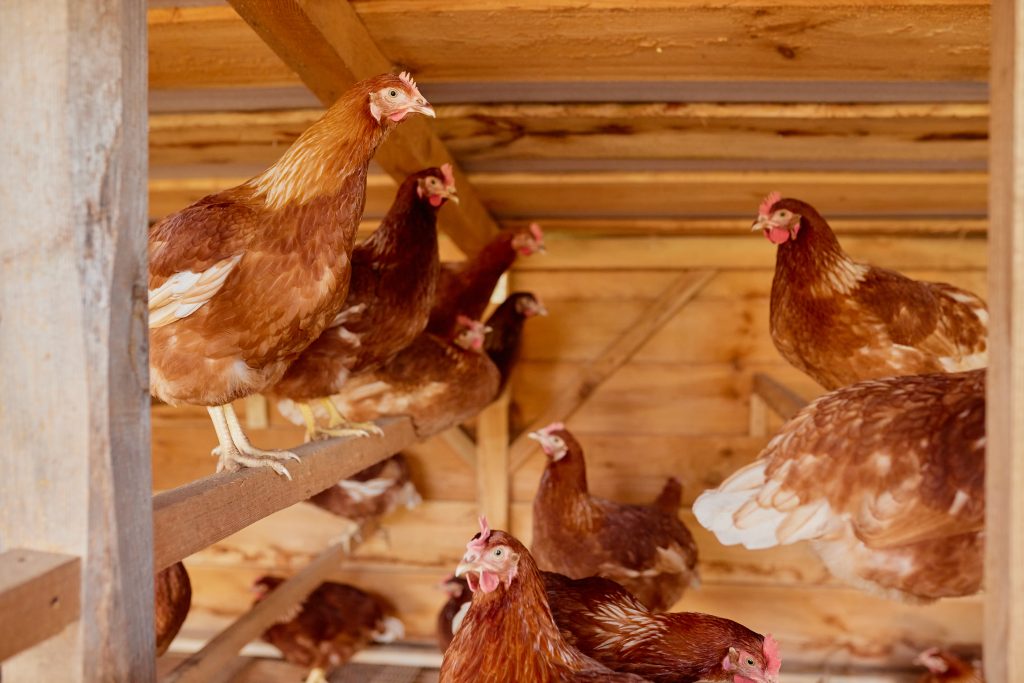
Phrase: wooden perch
[576,392]
[776,396]
[38,597]
[192,517]
[205,664]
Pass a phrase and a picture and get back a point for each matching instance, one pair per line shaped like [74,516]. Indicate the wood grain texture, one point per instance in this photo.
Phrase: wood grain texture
[73,343]
[196,515]
[38,597]
[613,40]
[492,462]
[328,47]
[1004,502]
[782,400]
[574,394]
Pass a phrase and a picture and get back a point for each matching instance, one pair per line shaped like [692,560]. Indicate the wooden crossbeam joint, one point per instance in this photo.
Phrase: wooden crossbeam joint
[39,596]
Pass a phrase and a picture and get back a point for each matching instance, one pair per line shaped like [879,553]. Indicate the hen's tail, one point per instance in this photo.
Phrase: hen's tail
[748,510]
[671,496]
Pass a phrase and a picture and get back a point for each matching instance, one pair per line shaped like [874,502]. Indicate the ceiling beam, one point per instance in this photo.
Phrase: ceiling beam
[329,48]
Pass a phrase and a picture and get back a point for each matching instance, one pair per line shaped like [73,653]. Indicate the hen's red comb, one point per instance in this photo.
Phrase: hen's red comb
[537,233]
[406,78]
[449,177]
[771,655]
[479,544]
[767,203]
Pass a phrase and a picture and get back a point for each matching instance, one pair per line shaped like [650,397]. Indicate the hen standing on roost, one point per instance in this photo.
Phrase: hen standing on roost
[242,281]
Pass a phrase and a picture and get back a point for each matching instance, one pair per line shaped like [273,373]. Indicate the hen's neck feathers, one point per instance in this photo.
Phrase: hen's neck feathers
[408,230]
[815,257]
[518,617]
[340,144]
[490,263]
[502,344]
[568,475]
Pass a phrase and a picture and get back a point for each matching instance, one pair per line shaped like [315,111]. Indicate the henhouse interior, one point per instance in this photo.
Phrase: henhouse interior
[560,340]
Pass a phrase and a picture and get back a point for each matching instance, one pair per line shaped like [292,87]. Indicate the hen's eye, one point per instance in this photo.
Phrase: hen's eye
[392,93]
[750,662]
[497,553]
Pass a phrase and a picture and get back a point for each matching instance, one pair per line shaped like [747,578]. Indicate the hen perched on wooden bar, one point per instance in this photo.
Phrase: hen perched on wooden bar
[242,281]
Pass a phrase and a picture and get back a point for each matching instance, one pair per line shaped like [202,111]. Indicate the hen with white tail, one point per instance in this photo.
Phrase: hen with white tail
[885,478]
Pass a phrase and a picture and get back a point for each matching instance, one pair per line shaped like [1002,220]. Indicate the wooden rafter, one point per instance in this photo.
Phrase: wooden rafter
[328,46]
[461,444]
[776,396]
[576,391]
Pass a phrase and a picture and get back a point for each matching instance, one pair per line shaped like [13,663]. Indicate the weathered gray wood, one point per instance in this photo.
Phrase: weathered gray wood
[38,597]
[74,424]
[1004,533]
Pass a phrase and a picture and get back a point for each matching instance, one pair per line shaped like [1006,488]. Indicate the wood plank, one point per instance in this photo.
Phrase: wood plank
[1004,502]
[935,135]
[72,292]
[579,389]
[329,48]
[38,597]
[492,470]
[653,40]
[461,445]
[782,400]
[728,193]
[194,516]
[225,646]
[756,133]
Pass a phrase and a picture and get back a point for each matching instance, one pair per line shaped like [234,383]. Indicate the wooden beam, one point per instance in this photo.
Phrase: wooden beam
[222,649]
[329,48]
[461,445]
[1004,503]
[194,516]
[74,427]
[604,44]
[257,412]
[492,472]
[777,397]
[38,597]
[573,395]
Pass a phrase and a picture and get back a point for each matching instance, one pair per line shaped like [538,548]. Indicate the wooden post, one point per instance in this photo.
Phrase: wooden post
[492,472]
[1004,523]
[74,424]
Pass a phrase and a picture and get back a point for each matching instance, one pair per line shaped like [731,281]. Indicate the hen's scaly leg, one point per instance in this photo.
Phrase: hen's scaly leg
[317,675]
[338,425]
[309,419]
[243,453]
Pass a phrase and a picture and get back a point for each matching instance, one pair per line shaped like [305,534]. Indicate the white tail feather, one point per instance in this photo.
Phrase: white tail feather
[392,630]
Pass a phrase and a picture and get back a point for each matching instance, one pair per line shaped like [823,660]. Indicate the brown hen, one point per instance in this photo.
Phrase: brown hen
[842,321]
[173,600]
[885,478]
[604,621]
[945,667]
[508,634]
[465,288]
[449,619]
[645,548]
[330,626]
[394,273]
[242,281]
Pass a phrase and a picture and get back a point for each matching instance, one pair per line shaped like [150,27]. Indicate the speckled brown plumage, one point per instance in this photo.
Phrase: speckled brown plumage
[841,321]
[465,288]
[645,548]
[394,274]
[604,621]
[885,478]
[509,635]
[173,600]
[330,626]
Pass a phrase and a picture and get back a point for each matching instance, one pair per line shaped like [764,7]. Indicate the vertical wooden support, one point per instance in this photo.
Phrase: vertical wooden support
[74,423]
[1004,534]
[492,472]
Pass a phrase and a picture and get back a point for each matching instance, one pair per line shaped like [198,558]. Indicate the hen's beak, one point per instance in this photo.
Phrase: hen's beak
[543,439]
[466,567]
[759,224]
[452,194]
[540,309]
[423,107]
